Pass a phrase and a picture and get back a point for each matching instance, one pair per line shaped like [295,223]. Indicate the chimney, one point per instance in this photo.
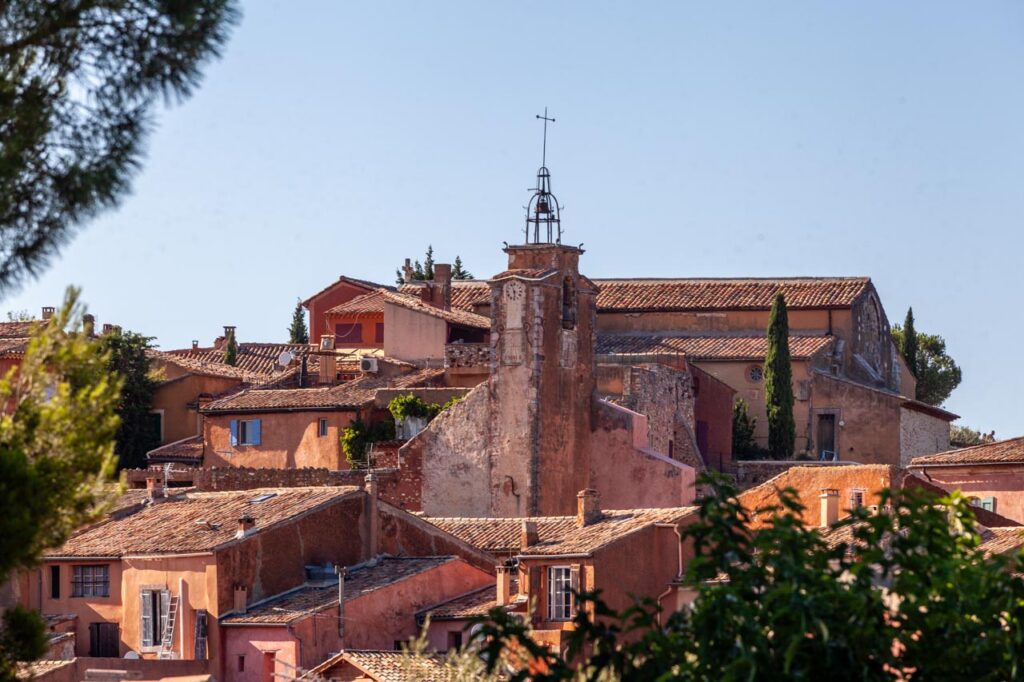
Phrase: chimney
[588,508]
[504,585]
[328,360]
[89,325]
[154,488]
[407,271]
[195,344]
[303,371]
[229,331]
[108,328]
[829,507]
[246,525]
[48,311]
[241,598]
[341,572]
[373,517]
[442,289]
[528,535]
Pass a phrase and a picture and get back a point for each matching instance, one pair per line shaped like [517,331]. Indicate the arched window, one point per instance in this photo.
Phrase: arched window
[568,304]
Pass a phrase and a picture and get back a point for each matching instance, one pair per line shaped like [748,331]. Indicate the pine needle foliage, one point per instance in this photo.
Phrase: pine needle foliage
[297,330]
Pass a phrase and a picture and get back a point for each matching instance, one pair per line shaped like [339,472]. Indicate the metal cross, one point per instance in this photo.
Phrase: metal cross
[544,156]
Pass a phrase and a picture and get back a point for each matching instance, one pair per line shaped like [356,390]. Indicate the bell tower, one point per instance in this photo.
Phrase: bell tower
[542,384]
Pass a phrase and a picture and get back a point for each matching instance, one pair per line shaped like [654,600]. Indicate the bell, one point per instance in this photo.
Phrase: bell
[542,206]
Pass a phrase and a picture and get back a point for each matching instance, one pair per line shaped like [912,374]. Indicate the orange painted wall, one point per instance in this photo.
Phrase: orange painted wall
[174,397]
[289,440]
[337,294]
[1005,482]
[86,609]
[369,322]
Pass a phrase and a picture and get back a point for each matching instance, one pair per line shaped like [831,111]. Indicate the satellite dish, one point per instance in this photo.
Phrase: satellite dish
[285,358]
[132,656]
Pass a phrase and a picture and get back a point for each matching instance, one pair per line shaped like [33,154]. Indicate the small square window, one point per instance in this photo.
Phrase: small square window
[322,430]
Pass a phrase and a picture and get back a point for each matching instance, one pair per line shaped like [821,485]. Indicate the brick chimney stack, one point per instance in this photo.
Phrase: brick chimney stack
[195,344]
[528,536]
[241,601]
[504,585]
[407,271]
[154,488]
[588,507]
[246,525]
[442,286]
[829,507]
[108,328]
[328,360]
[48,311]
[89,325]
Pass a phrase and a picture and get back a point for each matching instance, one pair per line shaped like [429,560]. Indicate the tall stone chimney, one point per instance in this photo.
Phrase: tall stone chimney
[241,600]
[528,536]
[328,360]
[504,585]
[829,507]
[89,324]
[588,508]
[154,488]
[246,526]
[195,344]
[441,293]
[407,270]
[48,311]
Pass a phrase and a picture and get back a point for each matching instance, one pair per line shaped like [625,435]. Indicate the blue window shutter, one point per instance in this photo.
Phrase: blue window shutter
[234,432]
[989,503]
[255,431]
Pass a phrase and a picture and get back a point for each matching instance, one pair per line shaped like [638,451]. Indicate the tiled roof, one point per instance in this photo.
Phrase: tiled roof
[367,304]
[476,603]
[13,346]
[390,666]
[16,330]
[556,534]
[1001,540]
[466,293]
[454,316]
[40,669]
[718,347]
[349,395]
[1010,451]
[255,360]
[351,280]
[360,580]
[196,521]
[187,451]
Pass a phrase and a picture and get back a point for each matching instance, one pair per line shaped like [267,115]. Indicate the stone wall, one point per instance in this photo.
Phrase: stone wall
[665,395]
[467,355]
[921,434]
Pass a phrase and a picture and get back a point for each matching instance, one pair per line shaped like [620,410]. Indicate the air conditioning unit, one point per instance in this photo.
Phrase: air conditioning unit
[368,365]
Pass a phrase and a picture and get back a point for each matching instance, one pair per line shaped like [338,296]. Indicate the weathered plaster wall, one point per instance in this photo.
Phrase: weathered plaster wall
[754,321]
[712,411]
[289,440]
[86,611]
[252,648]
[413,336]
[921,434]
[340,292]
[1004,482]
[177,400]
[870,430]
[407,535]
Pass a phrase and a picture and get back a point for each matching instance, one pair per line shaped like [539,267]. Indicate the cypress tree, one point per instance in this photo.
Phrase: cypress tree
[909,347]
[297,332]
[459,271]
[230,350]
[778,383]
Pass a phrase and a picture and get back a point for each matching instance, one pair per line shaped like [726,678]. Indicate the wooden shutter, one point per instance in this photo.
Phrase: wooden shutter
[165,602]
[146,611]
[234,432]
[94,639]
[108,640]
[574,583]
[254,436]
[200,643]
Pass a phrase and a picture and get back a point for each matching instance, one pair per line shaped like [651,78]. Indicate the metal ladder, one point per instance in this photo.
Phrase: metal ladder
[167,640]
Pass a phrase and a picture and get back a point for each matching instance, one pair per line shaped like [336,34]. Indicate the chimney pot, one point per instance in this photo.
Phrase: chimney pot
[504,585]
[442,289]
[588,508]
[195,344]
[241,598]
[89,324]
[829,507]
[246,524]
[48,311]
[107,328]
[528,536]
[154,488]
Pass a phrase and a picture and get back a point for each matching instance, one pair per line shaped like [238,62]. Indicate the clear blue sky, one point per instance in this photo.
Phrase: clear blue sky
[693,139]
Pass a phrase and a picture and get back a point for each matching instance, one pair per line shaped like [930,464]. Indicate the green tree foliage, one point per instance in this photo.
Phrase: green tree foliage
[139,432]
[297,331]
[56,455]
[78,80]
[905,594]
[937,373]
[357,437]
[18,316]
[964,436]
[459,271]
[743,444]
[231,349]
[778,383]
[908,342]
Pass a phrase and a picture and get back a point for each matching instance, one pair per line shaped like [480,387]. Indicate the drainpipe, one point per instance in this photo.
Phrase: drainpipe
[181,617]
[679,570]
[300,661]
[341,572]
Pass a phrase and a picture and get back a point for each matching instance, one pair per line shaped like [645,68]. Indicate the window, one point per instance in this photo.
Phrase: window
[378,334]
[90,581]
[245,432]
[988,503]
[54,582]
[856,499]
[104,640]
[755,373]
[562,580]
[153,616]
[322,430]
[454,640]
[202,633]
[241,663]
[348,333]
[155,426]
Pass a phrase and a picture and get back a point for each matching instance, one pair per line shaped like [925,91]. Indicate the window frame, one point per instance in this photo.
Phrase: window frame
[90,580]
[321,428]
[246,432]
[561,581]
[158,599]
[55,581]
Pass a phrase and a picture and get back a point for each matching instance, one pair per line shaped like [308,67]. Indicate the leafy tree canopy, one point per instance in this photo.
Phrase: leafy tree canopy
[425,271]
[964,436]
[77,83]
[56,456]
[901,594]
[139,431]
[937,373]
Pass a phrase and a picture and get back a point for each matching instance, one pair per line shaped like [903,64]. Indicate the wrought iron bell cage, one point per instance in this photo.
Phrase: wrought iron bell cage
[543,213]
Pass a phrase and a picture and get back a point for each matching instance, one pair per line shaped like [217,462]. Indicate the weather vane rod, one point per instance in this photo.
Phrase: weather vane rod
[544,154]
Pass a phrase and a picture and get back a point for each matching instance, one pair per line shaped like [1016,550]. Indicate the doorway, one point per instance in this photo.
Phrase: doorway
[826,438]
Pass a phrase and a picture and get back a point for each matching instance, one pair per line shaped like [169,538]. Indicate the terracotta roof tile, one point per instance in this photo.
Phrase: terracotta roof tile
[16,330]
[371,303]
[1002,540]
[186,451]
[1008,451]
[476,603]
[556,534]
[390,666]
[466,293]
[454,316]
[360,580]
[197,521]
[717,347]
[349,395]
[351,280]
[13,347]
[257,360]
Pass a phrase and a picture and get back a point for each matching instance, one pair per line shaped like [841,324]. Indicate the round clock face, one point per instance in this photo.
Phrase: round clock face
[755,373]
[514,291]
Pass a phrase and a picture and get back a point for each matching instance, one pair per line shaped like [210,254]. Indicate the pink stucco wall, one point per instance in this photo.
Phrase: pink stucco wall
[1005,482]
